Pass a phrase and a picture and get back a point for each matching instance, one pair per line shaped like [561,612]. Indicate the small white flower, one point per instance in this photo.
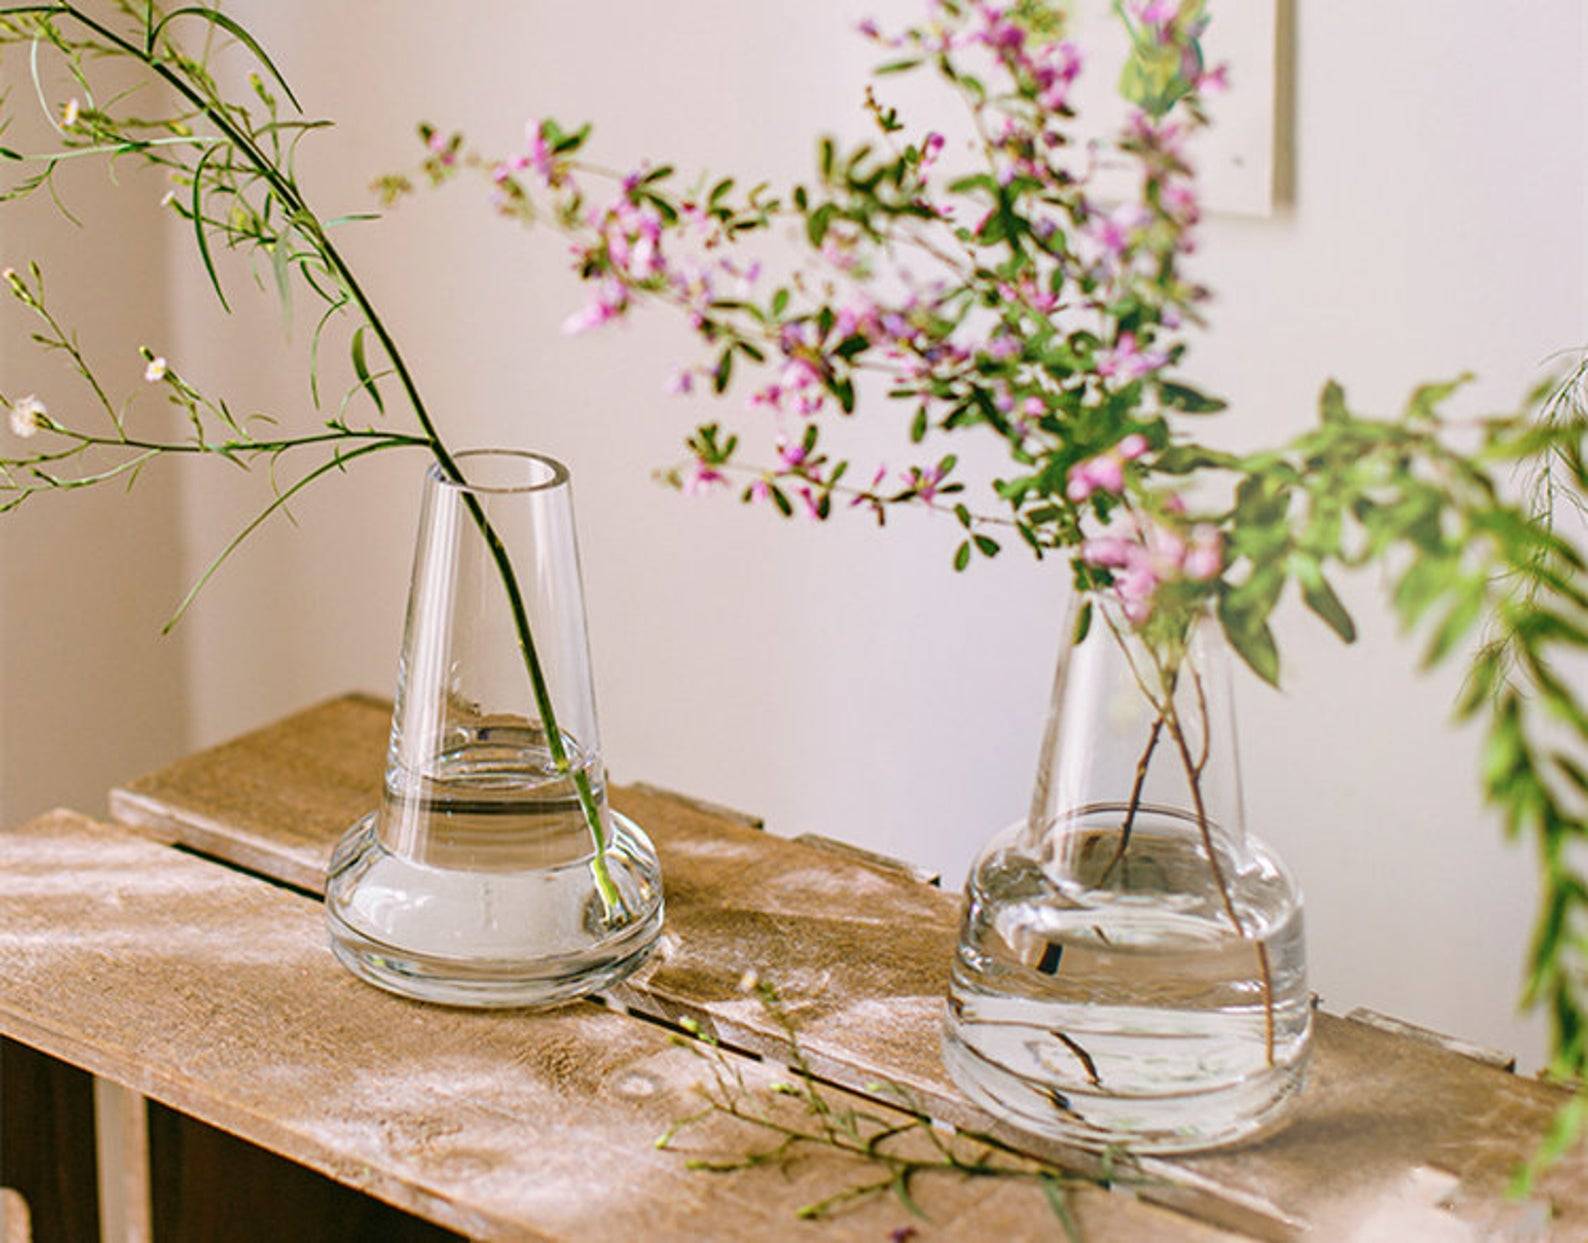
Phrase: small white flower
[155,371]
[168,198]
[749,980]
[25,416]
[73,109]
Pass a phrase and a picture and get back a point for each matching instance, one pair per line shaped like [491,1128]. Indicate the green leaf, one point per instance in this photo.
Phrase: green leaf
[918,426]
[1463,615]
[1188,400]
[361,370]
[897,66]
[816,224]
[1252,640]
[986,545]
[280,263]
[723,372]
[216,18]
[962,556]
[1426,398]
[198,226]
[1319,596]
[1331,403]
[1059,1204]
[1083,624]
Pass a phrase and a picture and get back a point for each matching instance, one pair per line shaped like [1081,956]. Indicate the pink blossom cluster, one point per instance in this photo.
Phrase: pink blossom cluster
[1151,554]
[1106,471]
[1128,361]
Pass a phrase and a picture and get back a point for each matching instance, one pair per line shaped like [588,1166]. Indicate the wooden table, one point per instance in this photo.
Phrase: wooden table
[179,958]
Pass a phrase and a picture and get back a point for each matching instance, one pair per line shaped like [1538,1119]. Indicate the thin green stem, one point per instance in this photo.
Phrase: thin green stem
[309,224]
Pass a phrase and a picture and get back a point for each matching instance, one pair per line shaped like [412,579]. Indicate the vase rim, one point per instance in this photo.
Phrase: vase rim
[535,473]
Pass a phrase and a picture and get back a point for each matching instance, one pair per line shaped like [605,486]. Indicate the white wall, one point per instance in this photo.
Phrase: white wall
[89,693]
[841,679]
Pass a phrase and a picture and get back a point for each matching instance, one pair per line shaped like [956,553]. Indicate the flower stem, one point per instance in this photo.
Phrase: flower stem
[308,223]
[1194,778]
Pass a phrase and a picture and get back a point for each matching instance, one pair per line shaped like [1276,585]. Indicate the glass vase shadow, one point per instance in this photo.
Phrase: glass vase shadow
[478,881]
[1131,968]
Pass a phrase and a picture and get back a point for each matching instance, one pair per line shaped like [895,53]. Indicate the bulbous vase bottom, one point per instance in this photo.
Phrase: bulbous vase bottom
[530,937]
[1131,1015]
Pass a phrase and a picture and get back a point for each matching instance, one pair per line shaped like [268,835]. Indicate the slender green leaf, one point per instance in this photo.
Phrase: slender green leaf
[361,369]
[216,18]
[198,226]
[1319,596]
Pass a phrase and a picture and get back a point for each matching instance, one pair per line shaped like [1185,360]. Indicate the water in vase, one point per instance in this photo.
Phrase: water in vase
[1130,1011]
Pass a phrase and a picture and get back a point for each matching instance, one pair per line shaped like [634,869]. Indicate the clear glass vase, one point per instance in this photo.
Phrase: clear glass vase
[494,873]
[1131,968]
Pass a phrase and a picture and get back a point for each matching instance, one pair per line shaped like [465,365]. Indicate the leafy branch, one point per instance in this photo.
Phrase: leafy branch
[897,1148]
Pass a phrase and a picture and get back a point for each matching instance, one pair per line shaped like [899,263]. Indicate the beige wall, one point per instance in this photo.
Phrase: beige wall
[89,692]
[839,679]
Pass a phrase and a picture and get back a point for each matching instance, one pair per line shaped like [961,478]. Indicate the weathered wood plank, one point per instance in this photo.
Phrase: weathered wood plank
[213,992]
[862,956]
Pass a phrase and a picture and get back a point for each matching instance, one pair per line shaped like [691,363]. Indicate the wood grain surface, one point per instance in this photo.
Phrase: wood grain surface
[1390,1130]
[213,993]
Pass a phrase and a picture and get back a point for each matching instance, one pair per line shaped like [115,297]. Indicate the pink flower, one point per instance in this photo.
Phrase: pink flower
[1157,14]
[798,373]
[680,382]
[1205,557]
[540,156]
[1003,347]
[1109,551]
[931,148]
[1180,201]
[792,453]
[1132,447]
[609,303]
[704,478]
[925,482]
[1215,79]
[812,503]
[1127,361]
[1112,233]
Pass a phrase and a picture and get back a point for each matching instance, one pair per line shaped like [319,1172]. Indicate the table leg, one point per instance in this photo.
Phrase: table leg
[121,1137]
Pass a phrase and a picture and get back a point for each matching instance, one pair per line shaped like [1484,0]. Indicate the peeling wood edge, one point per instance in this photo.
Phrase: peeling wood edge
[901,867]
[1482,1054]
[704,806]
[160,822]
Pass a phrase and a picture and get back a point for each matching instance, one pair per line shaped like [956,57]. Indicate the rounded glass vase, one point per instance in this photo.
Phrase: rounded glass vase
[493,873]
[1131,969]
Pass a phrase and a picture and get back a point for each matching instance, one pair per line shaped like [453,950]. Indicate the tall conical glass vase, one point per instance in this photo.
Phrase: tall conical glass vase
[1131,968]
[494,873]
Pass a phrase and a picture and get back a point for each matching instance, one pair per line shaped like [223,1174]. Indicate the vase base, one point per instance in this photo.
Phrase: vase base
[529,939]
[1211,1117]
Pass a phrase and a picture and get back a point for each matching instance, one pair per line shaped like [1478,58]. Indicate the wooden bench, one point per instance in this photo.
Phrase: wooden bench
[181,959]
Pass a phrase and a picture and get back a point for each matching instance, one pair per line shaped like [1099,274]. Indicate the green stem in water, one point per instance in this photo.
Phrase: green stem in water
[310,225]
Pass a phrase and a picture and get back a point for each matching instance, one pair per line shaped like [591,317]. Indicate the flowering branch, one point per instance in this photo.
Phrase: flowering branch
[1059,323]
